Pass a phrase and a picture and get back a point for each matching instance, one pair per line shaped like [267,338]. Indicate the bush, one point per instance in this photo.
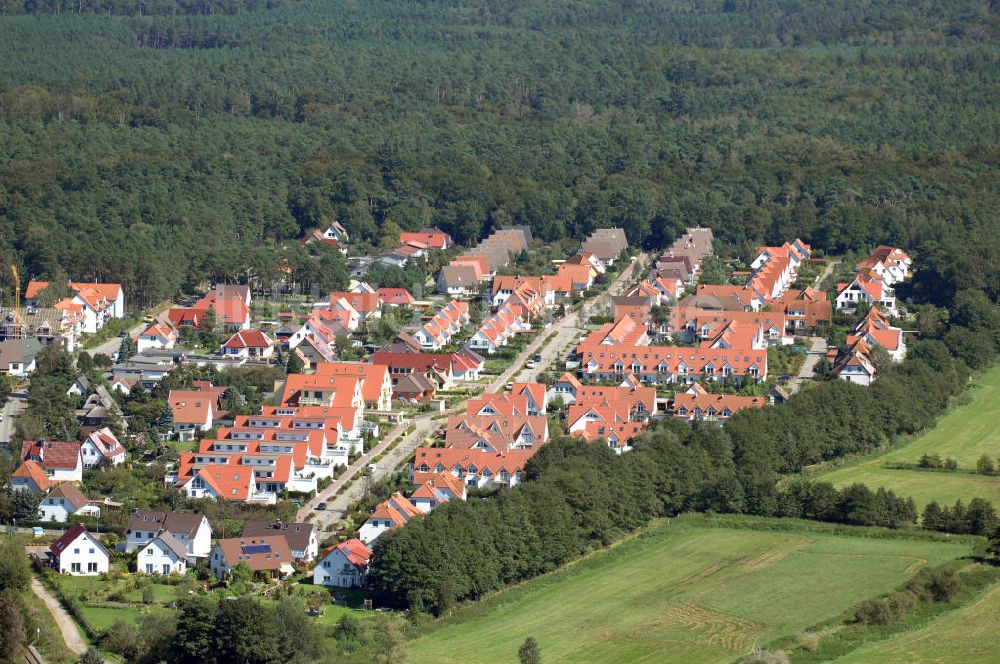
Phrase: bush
[875,612]
[122,639]
[765,656]
[808,641]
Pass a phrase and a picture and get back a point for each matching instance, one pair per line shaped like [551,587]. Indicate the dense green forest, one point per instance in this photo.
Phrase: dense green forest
[162,143]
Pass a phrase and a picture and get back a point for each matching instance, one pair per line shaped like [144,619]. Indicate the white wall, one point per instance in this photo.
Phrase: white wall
[83,557]
[156,558]
[334,570]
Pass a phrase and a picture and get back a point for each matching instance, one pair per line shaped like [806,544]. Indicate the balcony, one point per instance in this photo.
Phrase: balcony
[263,498]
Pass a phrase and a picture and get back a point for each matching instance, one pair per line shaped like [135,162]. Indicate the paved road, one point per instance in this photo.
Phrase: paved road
[426,426]
[111,346]
[569,329]
[70,633]
[14,405]
[817,351]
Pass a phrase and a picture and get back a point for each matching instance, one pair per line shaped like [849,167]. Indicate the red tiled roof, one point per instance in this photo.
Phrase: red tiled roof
[251,338]
[53,453]
[354,550]
[191,406]
[31,470]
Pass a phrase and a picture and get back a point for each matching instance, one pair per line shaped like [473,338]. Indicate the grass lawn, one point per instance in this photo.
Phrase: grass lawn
[964,434]
[101,618]
[969,634]
[682,592]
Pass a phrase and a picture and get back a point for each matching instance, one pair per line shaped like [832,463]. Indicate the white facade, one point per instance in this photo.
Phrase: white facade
[57,508]
[154,341]
[84,556]
[158,558]
[198,546]
[335,570]
[373,528]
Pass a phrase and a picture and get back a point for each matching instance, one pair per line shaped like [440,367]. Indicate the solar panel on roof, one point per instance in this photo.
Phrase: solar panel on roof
[256,548]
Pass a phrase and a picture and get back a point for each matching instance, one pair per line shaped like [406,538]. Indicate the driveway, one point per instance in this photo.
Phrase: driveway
[70,632]
[817,351]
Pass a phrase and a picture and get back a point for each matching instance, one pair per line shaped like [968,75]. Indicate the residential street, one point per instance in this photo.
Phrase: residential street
[70,632]
[566,333]
[110,347]
[817,351]
[14,405]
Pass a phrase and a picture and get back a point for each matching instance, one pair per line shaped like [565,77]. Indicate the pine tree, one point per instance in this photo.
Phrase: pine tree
[127,348]
[294,365]
[166,419]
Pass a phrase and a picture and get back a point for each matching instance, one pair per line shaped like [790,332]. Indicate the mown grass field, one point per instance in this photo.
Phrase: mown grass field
[684,591]
[965,433]
[969,634]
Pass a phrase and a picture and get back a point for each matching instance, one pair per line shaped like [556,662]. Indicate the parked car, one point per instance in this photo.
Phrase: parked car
[321,507]
[530,364]
[538,358]
[371,469]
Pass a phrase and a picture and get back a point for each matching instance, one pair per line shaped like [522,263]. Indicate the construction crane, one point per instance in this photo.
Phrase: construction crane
[17,287]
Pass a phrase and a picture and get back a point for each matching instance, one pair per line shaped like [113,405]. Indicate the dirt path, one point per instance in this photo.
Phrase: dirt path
[70,633]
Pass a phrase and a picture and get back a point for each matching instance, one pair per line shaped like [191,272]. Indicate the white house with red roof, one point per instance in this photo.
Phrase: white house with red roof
[343,565]
[395,297]
[438,490]
[248,344]
[60,460]
[872,291]
[157,335]
[395,512]
[475,468]
[193,412]
[231,482]
[97,303]
[102,446]
[79,553]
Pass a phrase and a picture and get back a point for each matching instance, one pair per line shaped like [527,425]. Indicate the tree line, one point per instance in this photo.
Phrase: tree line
[246,130]
[578,496]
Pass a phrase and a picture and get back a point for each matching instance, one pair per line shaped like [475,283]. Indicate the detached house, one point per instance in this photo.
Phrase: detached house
[164,555]
[343,565]
[65,501]
[60,460]
[264,555]
[102,447]
[389,514]
[79,553]
[191,530]
[248,344]
[193,412]
[157,335]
